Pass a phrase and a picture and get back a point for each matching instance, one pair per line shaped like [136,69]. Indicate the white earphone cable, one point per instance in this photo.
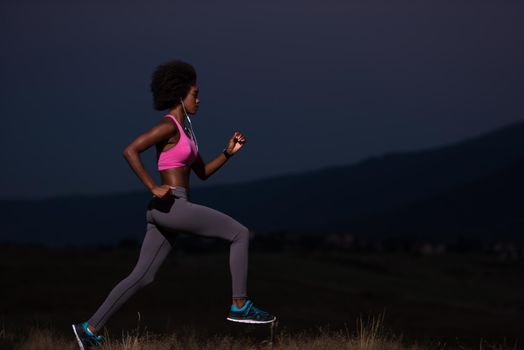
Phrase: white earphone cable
[190,124]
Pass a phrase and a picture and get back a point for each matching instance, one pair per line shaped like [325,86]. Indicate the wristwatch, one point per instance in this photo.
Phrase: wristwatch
[227,154]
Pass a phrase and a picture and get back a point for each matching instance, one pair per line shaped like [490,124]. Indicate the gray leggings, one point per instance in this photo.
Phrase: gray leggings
[165,219]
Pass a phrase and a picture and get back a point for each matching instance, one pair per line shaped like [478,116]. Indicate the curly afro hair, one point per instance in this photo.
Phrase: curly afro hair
[171,81]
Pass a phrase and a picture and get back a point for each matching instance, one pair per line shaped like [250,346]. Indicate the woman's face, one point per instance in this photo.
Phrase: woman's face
[192,101]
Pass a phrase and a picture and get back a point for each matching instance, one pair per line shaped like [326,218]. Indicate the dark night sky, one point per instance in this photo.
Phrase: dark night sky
[310,83]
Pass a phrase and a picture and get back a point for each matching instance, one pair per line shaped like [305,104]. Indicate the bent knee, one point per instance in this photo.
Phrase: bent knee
[241,233]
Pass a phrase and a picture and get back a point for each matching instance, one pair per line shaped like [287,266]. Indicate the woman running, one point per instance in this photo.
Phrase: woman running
[170,211]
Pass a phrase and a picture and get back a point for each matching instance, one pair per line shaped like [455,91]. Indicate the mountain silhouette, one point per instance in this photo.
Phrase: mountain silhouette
[469,188]
[489,207]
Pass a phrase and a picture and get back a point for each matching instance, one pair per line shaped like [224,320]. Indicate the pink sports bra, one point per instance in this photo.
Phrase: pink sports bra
[182,154]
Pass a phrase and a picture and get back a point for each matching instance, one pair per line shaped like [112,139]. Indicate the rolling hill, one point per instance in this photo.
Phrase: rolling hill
[470,188]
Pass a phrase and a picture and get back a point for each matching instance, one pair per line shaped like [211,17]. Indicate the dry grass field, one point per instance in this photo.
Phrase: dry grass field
[322,300]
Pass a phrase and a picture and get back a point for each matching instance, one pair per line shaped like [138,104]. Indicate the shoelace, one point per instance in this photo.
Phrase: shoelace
[258,313]
[252,310]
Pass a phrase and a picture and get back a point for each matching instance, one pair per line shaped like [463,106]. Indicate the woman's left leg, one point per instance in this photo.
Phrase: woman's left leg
[155,248]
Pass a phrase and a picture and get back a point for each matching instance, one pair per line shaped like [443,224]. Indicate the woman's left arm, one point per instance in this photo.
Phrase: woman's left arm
[204,171]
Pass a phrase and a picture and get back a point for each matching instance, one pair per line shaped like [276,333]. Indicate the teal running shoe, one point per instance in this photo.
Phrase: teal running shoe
[86,339]
[249,314]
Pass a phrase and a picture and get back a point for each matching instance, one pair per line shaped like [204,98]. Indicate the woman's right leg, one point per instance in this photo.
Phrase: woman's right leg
[155,248]
[179,214]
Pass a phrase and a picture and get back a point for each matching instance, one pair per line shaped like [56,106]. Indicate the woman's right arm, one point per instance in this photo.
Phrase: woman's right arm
[131,153]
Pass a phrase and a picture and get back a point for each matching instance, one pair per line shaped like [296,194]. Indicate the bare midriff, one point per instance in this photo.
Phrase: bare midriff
[176,176]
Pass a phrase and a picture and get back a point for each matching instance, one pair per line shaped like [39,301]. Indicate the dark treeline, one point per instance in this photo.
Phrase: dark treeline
[336,242]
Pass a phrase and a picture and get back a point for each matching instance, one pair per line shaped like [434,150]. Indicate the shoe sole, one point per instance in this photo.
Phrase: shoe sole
[78,338]
[250,321]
